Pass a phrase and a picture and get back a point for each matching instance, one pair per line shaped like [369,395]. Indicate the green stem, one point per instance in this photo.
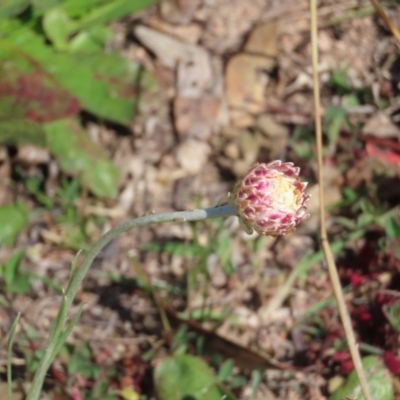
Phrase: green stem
[80,273]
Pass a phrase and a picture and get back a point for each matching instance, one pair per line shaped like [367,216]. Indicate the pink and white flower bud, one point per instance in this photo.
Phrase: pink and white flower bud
[270,199]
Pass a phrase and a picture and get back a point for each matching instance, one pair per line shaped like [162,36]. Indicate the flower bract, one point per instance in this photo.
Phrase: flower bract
[270,198]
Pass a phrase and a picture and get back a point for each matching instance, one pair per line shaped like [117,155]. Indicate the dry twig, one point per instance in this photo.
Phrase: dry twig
[334,276]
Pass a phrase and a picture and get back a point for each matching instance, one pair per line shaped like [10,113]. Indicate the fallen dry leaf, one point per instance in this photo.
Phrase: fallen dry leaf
[197,117]
[227,20]
[381,125]
[170,51]
[276,134]
[178,11]
[192,155]
[246,80]
[263,40]
[187,33]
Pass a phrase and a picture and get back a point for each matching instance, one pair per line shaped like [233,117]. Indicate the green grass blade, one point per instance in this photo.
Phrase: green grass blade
[63,337]
[9,352]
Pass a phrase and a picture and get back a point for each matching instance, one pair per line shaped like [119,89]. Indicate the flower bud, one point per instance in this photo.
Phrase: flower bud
[270,199]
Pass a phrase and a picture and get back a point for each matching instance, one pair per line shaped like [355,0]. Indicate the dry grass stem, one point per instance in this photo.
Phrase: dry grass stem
[334,276]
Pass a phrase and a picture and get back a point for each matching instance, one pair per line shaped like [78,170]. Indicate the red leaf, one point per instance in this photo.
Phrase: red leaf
[58,374]
[346,367]
[34,95]
[341,356]
[362,313]
[386,155]
[355,279]
[392,363]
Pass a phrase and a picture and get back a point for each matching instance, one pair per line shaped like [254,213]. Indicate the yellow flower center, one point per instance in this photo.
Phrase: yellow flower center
[286,193]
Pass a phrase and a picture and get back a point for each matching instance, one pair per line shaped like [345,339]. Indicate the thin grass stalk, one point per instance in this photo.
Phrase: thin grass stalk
[334,276]
[9,355]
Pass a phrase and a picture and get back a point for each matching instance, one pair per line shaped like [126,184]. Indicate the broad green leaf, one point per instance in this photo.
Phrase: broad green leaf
[184,377]
[110,11]
[91,40]
[16,280]
[11,267]
[225,371]
[9,26]
[392,228]
[55,25]
[29,92]
[13,219]
[78,155]
[45,5]
[378,377]
[21,131]
[79,8]
[28,97]
[102,82]
[11,8]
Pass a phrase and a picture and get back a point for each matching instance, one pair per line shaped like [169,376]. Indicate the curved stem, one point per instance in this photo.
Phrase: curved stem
[80,273]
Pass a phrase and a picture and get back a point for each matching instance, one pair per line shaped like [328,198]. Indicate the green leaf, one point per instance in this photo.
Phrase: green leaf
[365,219]
[393,315]
[79,8]
[44,5]
[28,97]
[379,381]
[16,281]
[78,155]
[55,25]
[103,83]
[13,219]
[79,364]
[9,356]
[11,267]
[225,371]
[350,100]
[21,131]
[110,11]
[335,119]
[91,40]
[29,92]
[11,8]
[392,228]
[8,26]
[339,81]
[184,377]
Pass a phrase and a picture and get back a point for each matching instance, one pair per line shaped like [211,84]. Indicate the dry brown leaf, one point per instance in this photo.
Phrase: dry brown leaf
[227,21]
[263,40]
[192,155]
[276,134]
[197,117]
[32,155]
[179,11]
[241,118]
[171,51]
[246,79]
[381,125]
[187,33]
